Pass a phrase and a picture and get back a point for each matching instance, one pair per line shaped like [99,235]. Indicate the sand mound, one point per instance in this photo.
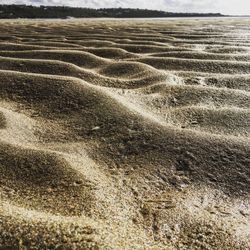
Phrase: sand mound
[219,121]
[93,43]
[56,189]
[52,67]
[228,50]
[236,82]
[223,67]
[128,70]
[124,135]
[203,56]
[82,59]
[138,48]
[180,95]
[17,47]
[112,53]
[55,44]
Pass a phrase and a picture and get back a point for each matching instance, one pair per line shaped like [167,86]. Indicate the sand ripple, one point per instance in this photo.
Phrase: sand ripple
[125,134]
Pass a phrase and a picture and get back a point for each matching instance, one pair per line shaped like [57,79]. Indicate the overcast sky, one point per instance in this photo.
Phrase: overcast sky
[223,6]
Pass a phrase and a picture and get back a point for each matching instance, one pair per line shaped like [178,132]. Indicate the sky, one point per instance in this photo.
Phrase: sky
[238,7]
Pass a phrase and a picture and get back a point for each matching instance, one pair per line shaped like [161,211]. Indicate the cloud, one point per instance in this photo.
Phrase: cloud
[224,6]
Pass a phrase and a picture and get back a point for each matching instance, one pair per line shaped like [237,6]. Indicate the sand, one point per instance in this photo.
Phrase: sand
[125,134]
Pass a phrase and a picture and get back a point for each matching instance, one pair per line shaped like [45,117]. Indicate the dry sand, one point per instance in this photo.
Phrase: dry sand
[119,134]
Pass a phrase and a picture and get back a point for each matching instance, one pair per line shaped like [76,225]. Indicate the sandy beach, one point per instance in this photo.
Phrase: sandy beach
[125,134]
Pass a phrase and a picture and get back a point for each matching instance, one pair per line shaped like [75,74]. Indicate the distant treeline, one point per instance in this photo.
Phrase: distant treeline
[27,11]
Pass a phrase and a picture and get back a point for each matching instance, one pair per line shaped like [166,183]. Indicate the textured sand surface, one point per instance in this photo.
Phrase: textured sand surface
[124,134]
